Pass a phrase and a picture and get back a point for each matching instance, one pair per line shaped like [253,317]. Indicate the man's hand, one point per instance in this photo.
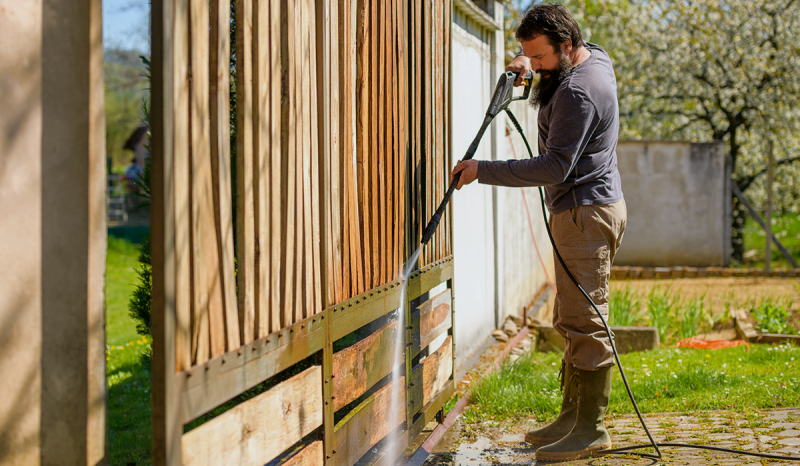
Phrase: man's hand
[521,65]
[468,170]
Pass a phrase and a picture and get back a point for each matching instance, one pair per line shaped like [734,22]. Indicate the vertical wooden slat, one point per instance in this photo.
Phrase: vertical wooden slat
[275,164]
[372,148]
[417,116]
[262,146]
[245,215]
[446,119]
[289,148]
[221,161]
[363,155]
[380,148]
[333,138]
[315,178]
[439,83]
[180,106]
[354,258]
[428,153]
[307,283]
[403,76]
[302,144]
[392,143]
[209,319]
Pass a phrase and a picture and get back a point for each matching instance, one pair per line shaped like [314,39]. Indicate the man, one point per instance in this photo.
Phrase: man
[577,165]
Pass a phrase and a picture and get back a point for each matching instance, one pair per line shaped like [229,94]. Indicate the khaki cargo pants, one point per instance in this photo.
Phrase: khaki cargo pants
[587,238]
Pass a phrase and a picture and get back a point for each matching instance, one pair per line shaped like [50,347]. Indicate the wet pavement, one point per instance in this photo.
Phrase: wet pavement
[768,431]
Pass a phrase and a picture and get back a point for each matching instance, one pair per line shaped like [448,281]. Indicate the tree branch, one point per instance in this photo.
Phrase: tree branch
[745,182]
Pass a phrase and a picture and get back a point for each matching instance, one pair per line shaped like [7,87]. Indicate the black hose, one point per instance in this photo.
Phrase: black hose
[653,443]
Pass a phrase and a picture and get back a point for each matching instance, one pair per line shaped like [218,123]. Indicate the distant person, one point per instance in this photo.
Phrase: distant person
[133,175]
[577,164]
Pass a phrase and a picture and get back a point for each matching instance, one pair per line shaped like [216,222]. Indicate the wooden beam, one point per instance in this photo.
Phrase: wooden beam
[430,276]
[206,386]
[258,430]
[360,366]
[368,423]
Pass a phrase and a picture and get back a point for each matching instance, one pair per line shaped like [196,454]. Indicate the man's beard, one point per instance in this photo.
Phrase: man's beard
[549,80]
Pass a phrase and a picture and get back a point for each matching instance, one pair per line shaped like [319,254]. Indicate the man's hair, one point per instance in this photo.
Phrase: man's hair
[551,20]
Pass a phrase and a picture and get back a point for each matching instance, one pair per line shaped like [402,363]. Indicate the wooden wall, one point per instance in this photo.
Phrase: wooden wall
[265,258]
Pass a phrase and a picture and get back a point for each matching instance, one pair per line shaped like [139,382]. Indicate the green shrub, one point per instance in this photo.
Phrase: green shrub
[139,306]
[773,317]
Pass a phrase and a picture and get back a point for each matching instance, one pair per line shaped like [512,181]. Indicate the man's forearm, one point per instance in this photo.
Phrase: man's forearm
[539,171]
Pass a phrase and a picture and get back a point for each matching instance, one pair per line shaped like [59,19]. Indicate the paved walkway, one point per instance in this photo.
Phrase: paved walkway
[768,431]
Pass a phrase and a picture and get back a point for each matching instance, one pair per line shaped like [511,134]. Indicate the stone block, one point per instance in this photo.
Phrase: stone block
[630,339]
[549,339]
[647,273]
[662,272]
[635,272]
[690,272]
[678,272]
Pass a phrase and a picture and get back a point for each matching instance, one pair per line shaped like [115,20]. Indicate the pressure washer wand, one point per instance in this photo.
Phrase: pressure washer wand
[503,95]
[437,217]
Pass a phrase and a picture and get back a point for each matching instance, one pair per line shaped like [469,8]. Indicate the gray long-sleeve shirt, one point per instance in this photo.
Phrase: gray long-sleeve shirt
[578,133]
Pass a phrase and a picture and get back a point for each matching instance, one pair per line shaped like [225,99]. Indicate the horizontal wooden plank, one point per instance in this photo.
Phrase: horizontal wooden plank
[434,317]
[208,385]
[308,456]
[369,422]
[431,375]
[425,279]
[356,312]
[359,367]
[258,430]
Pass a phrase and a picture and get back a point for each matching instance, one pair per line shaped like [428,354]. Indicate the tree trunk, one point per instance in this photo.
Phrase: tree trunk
[738,216]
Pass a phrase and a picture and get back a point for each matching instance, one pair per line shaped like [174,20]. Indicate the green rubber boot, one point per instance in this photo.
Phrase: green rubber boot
[559,428]
[589,436]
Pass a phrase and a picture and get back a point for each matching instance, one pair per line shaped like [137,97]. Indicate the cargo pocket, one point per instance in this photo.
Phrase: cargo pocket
[589,264]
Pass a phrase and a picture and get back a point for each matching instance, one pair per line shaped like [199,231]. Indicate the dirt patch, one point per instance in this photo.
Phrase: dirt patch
[721,293]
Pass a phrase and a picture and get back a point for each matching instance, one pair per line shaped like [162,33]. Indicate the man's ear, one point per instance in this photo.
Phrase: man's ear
[566,47]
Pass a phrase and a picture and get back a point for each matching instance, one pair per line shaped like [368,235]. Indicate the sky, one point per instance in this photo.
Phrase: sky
[125,24]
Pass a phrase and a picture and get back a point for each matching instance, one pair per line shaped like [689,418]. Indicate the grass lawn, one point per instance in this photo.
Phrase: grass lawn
[662,380]
[786,228]
[127,376]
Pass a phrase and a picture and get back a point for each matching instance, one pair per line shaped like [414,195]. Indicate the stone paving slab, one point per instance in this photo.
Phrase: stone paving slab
[776,431]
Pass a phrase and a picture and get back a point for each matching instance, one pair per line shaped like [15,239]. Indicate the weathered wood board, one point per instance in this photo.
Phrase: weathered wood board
[308,456]
[360,366]
[434,317]
[258,430]
[369,422]
[431,375]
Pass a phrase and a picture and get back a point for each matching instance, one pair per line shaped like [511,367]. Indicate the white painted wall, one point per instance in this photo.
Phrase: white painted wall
[678,198]
[473,229]
[497,271]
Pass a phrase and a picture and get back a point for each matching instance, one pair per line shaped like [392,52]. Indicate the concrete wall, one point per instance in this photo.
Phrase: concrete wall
[52,237]
[679,204]
[497,271]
